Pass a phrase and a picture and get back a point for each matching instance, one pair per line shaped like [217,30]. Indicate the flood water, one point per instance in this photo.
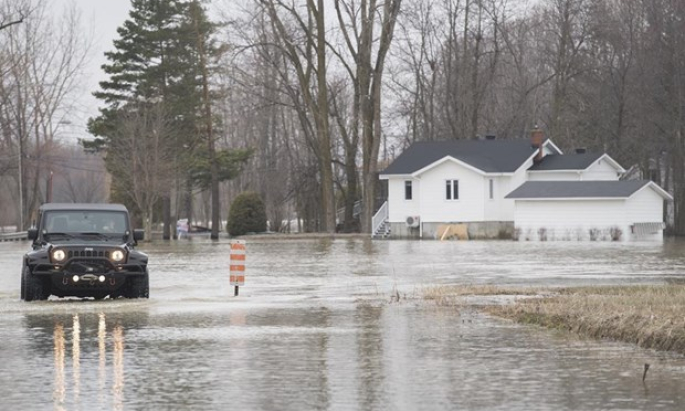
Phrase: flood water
[315,328]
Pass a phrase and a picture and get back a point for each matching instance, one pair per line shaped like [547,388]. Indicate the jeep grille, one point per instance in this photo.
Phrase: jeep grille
[85,254]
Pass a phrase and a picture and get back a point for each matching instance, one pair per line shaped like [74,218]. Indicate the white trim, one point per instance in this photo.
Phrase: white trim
[452,180]
[570,170]
[529,159]
[389,176]
[508,174]
[654,186]
[443,160]
[411,185]
[549,141]
[613,162]
[569,198]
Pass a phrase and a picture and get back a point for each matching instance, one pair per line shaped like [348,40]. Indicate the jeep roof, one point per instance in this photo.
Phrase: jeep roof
[82,206]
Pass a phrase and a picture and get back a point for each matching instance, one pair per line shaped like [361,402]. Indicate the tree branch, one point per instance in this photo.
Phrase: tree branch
[11,23]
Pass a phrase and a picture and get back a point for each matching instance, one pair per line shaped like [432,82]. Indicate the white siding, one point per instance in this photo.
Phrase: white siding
[645,206]
[553,176]
[493,207]
[502,209]
[434,206]
[601,170]
[569,219]
[399,208]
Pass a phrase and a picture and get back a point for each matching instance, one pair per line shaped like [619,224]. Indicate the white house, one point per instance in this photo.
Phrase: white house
[493,188]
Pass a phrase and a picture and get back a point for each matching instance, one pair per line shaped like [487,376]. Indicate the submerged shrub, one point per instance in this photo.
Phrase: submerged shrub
[594,234]
[542,234]
[247,215]
[615,233]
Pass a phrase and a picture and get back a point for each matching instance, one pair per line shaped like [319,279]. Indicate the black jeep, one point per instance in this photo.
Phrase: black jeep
[84,250]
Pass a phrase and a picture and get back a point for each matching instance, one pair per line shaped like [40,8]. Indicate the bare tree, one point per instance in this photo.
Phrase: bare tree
[309,63]
[13,13]
[40,61]
[357,23]
[142,157]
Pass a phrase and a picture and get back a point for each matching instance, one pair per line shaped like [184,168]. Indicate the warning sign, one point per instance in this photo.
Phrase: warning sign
[237,267]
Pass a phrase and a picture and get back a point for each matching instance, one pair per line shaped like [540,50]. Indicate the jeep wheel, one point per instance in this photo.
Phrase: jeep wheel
[137,286]
[34,287]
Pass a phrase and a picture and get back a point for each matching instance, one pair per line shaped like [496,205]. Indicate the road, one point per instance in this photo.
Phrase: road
[315,327]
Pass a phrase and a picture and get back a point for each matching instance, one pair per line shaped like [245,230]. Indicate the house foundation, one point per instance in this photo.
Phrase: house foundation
[479,230]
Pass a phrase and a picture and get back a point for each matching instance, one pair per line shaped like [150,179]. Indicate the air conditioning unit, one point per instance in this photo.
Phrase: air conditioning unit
[412,221]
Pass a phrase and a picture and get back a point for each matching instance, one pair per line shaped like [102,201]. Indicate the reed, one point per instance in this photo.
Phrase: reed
[651,316]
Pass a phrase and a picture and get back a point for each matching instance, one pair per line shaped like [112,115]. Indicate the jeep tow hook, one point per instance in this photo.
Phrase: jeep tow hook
[112,281]
[65,280]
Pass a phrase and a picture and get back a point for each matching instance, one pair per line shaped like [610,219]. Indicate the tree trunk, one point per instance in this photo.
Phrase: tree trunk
[323,129]
[147,222]
[166,216]
[213,167]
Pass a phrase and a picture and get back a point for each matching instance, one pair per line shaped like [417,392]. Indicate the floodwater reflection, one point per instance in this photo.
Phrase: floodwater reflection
[314,328]
[368,356]
[59,392]
[78,341]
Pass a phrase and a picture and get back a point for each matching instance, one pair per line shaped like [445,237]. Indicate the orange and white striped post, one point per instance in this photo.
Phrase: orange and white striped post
[237,269]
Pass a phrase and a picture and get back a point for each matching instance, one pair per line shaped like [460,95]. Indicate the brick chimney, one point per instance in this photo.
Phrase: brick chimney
[537,137]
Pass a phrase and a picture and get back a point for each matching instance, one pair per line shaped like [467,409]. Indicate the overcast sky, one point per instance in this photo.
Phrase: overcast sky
[100,21]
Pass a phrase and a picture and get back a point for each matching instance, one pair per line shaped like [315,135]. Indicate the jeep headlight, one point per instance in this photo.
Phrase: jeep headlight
[117,255]
[58,255]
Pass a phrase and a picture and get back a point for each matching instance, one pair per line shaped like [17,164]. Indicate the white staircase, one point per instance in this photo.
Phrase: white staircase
[383,231]
[379,224]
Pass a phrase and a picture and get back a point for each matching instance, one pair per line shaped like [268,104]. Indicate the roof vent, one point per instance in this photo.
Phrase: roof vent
[581,150]
[490,137]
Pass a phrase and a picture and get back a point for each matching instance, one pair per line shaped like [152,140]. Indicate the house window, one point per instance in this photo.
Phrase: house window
[492,189]
[452,190]
[407,190]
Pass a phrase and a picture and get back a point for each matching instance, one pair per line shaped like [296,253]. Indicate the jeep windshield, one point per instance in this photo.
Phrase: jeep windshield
[90,225]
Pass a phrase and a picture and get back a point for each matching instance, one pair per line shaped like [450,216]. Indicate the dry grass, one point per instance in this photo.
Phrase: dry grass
[452,295]
[649,316]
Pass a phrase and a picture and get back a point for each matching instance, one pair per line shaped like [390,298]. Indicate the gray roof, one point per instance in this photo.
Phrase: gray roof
[566,162]
[490,156]
[577,189]
[82,206]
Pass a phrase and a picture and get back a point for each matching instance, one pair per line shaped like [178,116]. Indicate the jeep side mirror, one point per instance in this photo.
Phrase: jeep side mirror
[138,235]
[32,233]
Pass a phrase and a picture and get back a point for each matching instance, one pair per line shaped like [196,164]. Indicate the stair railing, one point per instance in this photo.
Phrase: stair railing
[379,218]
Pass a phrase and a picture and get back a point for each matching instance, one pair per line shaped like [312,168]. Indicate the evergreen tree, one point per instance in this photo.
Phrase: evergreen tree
[157,62]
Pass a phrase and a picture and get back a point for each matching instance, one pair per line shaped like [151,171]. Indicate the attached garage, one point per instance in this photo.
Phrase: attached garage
[629,210]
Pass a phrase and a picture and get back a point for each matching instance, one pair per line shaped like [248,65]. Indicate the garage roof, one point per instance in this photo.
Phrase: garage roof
[582,189]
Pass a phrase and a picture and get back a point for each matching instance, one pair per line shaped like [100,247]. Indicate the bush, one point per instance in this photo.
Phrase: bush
[247,215]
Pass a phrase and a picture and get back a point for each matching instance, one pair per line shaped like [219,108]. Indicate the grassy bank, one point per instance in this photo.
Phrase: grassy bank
[649,316]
